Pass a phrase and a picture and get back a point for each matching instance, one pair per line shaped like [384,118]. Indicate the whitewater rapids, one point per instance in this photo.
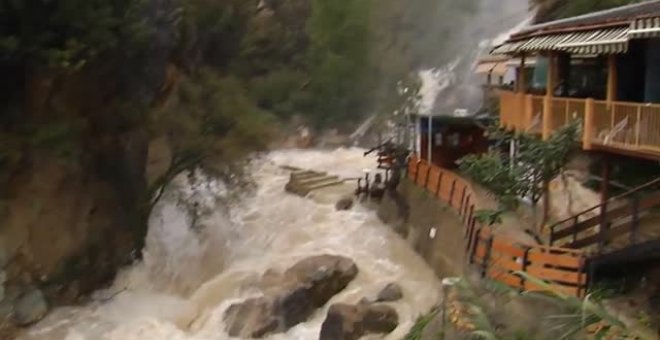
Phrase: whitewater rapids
[197,264]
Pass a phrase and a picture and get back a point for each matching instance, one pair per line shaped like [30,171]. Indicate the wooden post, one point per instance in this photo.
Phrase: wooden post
[635,219]
[612,79]
[547,101]
[437,191]
[522,79]
[604,196]
[529,113]
[551,80]
[489,249]
[547,117]
[451,192]
[525,260]
[587,134]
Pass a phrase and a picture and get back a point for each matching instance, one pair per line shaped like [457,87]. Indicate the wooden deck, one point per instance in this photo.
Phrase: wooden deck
[631,129]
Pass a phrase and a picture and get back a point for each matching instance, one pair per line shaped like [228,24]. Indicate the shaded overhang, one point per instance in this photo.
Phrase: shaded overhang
[497,68]
[644,28]
[612,40]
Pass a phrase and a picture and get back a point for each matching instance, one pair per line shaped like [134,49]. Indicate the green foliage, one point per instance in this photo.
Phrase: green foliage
[66,34]
[422,322]
[582,313]
[537,163]
[541,161]
[489,217]
[61,138]
[492,171]
[339,35]
[213,118]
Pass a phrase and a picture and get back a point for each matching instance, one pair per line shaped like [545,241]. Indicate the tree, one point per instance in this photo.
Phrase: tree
[537,162]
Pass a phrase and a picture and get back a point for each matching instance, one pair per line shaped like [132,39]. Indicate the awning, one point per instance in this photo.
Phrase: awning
[602,41]
[494,68]
[645,28]
[610,41]
[515,62]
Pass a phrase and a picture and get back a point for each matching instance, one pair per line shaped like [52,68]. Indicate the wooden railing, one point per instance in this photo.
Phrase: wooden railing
[627,125]
[618,125]
[498,257]
[579,231]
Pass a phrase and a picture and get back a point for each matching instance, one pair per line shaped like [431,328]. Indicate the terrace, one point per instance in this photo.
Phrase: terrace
[601,70]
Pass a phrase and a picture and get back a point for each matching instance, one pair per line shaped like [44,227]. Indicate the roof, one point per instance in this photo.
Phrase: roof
[496,65]
[619,16]
[604,32]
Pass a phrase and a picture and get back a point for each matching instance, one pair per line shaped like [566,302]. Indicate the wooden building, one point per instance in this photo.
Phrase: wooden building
[601,70]
[452,138]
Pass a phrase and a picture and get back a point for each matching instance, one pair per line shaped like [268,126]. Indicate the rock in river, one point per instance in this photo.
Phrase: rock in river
[351,322]
[345,203]
[297,293]
[391,292]
[30,307]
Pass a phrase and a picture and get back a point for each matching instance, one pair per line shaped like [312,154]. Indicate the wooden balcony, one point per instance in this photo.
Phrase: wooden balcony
[619,127]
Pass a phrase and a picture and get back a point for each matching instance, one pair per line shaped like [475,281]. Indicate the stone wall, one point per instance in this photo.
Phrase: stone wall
[432,228]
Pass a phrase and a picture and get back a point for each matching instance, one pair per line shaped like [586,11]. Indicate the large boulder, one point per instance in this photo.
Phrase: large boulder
[30,307]
[345,203]
[351,322]
[292,298]
[391,292]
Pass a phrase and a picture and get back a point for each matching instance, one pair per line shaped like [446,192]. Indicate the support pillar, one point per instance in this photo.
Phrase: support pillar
[521,85]
[588,133]
[551,81]
[604,196]
[612,79]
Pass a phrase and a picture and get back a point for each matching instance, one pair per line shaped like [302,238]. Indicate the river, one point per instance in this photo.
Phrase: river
[194,268]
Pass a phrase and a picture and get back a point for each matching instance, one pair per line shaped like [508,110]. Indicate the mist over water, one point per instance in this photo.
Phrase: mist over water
[192,272]
[448,79]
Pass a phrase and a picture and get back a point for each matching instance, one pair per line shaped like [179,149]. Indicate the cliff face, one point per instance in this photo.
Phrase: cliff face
[73,159]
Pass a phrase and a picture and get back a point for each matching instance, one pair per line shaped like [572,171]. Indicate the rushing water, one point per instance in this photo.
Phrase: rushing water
[195,267]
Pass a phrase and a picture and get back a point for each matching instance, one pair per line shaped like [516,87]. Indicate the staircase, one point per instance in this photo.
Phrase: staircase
[622,226]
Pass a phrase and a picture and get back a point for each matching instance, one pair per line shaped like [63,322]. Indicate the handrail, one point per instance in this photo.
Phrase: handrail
[611,200]
[500,257]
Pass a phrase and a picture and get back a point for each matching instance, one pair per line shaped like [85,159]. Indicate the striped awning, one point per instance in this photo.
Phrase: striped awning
[602,41]
[645,28]
[611,41]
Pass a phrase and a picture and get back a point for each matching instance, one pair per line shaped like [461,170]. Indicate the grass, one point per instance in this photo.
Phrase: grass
[575,318]
[422,322]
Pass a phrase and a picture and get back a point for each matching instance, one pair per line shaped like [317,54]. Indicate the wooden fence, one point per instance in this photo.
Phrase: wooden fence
[497,257]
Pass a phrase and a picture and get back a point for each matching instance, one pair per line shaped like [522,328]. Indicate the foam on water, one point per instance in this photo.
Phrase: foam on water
[191,274]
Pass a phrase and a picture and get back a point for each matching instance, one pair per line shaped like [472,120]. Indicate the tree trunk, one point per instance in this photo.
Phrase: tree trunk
[546,204]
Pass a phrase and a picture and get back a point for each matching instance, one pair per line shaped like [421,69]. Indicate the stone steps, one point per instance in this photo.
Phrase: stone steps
[302,182]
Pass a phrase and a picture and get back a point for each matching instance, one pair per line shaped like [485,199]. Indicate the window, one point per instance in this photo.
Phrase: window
[454,140]
[437,139]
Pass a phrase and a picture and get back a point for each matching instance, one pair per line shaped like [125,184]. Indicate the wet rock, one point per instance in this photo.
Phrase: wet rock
[3,280]
[253,318]
[351,322]
[293,297]
[30,307]
[344,204]
[391,292]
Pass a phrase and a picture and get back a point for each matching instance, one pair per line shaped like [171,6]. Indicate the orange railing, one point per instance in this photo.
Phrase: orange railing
[618,125]
[497,257]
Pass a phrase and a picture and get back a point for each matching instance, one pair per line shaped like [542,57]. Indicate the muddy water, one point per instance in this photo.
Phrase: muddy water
[195,267]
